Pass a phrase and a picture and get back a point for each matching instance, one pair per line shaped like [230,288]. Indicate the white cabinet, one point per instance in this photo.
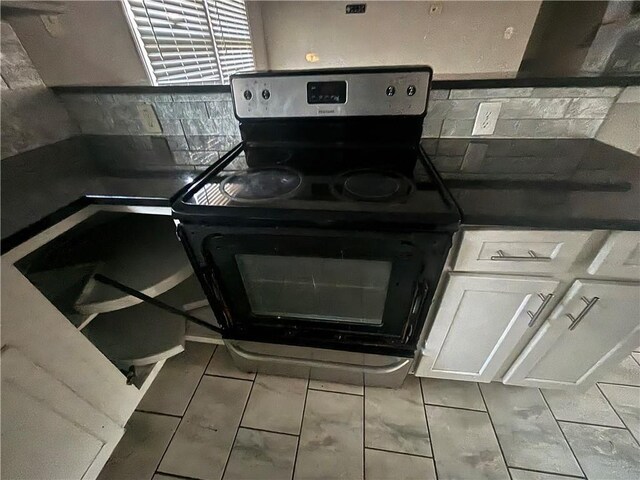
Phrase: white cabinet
[596,325]
[480,321]
[519,251]
[619,257]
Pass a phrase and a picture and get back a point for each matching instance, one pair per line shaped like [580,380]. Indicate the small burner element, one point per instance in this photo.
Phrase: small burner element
[372,186]
[261,184]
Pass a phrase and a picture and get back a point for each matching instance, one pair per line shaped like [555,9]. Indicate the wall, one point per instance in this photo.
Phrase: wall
[92,45]
[621,128]
[464,38]
[32,116]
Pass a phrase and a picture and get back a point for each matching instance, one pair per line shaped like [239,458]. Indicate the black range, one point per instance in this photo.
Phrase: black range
[328,227]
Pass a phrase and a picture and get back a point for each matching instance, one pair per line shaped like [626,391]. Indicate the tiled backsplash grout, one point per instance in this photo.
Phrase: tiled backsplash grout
[198,127]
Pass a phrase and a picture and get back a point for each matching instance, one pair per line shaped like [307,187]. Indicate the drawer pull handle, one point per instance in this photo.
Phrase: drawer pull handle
[533,317]
[513,258]
[589,305]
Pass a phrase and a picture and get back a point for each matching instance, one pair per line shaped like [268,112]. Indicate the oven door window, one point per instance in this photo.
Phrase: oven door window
[315,288]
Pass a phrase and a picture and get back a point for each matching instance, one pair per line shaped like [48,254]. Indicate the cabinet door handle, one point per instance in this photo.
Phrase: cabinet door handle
[533,317]
[589,305]
[533,257]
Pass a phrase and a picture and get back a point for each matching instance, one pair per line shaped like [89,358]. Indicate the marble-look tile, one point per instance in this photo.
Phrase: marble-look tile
[395,419]
[464,445]
[201,445]
[515,108]
[586,407]
[162,476]
[195,158]
[186,110]
[492,92]
[331,438]
[589,107]
[527,432]
[604,452]
[625,401]
[578,92]
[456,128]
[630,95]
[626,372]
[379,465]
[336,387]
[517,474]
[141,448]
[202,127]
[276,404]
[258,454]
[173,388]
[222,365]
[636,356]
[452,393]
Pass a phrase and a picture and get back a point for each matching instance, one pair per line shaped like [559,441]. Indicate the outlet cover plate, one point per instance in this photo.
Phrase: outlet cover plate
[486,118]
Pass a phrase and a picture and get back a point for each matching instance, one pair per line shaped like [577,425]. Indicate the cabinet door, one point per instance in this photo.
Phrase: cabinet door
[619,256]
[595,325]
[480,321]
[47,430]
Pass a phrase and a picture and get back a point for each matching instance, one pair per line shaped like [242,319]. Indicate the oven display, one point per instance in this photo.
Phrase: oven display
[326,92]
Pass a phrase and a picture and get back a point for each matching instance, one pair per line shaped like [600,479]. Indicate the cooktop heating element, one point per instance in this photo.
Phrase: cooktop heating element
[261,184]
[373,186]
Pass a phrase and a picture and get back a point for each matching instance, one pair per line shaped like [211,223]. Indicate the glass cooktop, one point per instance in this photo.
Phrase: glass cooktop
[392,180]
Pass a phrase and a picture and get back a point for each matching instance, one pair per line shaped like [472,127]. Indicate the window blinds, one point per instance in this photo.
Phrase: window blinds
[192,41]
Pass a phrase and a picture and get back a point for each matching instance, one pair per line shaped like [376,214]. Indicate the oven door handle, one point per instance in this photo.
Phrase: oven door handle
[261,357]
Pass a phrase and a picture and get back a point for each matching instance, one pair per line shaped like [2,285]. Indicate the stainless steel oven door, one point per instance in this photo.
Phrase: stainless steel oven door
[314,286]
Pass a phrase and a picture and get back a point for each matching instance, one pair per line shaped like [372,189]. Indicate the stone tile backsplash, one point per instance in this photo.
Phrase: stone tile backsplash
[32,116]
[201,127]
[524,113]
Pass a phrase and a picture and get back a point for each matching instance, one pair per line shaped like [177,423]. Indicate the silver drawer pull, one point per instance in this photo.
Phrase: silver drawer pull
[589,305]
[533,317]
[513,258]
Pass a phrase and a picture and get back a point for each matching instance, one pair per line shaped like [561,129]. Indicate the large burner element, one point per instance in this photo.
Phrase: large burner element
[261,184]
[372,186]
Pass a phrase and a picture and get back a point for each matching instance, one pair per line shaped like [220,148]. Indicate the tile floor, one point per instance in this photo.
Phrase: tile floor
[203,419]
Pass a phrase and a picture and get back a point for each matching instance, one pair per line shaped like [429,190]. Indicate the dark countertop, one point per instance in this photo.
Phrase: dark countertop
[571,184]
[541,183]
[45,185]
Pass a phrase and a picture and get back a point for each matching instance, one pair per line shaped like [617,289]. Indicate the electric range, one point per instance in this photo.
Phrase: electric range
[320,239]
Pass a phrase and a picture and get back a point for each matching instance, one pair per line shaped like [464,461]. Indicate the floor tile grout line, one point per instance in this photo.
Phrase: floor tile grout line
[173,475]
[158,413]
[456,408]
[335,391]
[364,434]
[227,376]
[235,437]
[268,431]
[632,356]
[399,453]
[563,435]
[619,384]
[495,432]
[617,414]
[304,408]
[426,419]
[182,418]
[565,475]
[592,424]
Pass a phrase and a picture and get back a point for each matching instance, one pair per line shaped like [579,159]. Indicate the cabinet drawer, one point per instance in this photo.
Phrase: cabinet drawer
[519,251]
[619,257]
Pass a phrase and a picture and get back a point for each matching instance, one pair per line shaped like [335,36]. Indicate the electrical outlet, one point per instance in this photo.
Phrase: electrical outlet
[148,118]
[486,118]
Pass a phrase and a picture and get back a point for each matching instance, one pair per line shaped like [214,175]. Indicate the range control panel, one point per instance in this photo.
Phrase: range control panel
[403,91]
